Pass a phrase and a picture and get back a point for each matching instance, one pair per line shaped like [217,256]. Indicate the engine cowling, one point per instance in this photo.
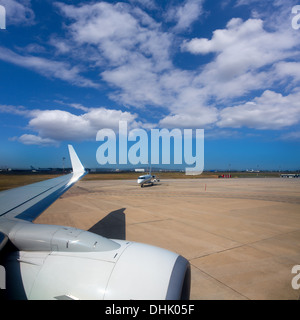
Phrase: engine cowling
[87,266]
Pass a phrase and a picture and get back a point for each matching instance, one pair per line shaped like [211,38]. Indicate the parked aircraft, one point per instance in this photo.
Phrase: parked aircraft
[147,179]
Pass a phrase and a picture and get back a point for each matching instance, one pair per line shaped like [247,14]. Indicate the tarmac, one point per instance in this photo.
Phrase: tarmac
[241,236]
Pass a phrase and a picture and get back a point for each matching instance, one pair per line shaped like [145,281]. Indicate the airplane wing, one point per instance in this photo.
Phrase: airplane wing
[58,262]
[28,202]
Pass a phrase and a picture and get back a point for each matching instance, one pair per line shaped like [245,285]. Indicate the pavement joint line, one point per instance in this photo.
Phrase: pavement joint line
[279,234]
[216,252]
[224,284]
[214,234]
[249,244]
[228,249]
[132,224]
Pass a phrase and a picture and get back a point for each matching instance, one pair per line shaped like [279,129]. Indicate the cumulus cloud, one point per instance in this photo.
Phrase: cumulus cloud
[119,32]
[245,56]
[53,126]
[247,36]
[132,53]
[59,125]
[125,44]
[270,111]
[136,52]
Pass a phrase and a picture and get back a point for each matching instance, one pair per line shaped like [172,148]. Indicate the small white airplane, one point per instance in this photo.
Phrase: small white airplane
[54,262]
[147,179]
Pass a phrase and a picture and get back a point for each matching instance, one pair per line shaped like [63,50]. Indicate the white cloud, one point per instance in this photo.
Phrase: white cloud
[270,111]
[185,14]
[126,44]
[247,58]
[20,110]
[133,54]
[149,4]
[186,120]
[48,68]
[139,84]
[61,125]
[30,139]
[246,43]
[276,14]
[244,55]
[287,71]
[116,31]
[53,126]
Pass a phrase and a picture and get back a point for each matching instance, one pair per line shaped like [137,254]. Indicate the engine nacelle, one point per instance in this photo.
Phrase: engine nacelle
[40,237]
[81,265]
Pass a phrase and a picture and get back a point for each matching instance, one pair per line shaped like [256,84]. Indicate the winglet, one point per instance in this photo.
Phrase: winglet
[76,164]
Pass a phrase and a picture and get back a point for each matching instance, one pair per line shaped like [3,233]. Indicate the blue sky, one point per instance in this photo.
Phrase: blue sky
[71,68]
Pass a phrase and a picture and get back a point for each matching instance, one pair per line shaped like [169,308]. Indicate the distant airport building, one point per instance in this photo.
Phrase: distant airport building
[139,170]
[289,175]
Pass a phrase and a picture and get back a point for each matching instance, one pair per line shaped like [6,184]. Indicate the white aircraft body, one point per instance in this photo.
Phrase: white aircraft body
[147,179]
[64,263]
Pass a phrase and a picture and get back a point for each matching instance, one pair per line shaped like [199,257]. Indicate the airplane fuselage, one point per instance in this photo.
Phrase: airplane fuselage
[145,179]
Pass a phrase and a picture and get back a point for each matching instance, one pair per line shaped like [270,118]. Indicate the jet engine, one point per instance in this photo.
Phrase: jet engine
[54,262]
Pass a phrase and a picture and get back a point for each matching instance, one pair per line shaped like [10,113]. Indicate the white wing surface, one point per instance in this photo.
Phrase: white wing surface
[28,202]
